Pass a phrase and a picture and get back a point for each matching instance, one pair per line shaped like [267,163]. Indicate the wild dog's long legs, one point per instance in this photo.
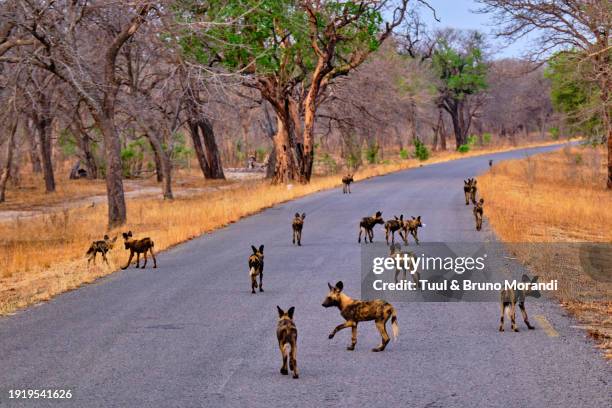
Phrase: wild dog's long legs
[104,257]
[371,234]
[283,351]
[137,259]
[129,260]
[338,328]
[501,319]
[153,255]
[513,317]
[145,259]
[293,360]
[525,318]
[380,325]
[260,283]
[353,337]
[403,236]
[414,235]
[467,198]
[253,283]
[360,231]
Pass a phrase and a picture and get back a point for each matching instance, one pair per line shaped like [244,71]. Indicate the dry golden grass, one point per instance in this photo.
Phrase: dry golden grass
[45,255]
[558,197]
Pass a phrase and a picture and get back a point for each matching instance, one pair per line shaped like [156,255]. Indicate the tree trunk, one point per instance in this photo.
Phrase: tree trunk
[285,169]
[194,131]
[6,173]
[159,173]
[34,156]
[84,142]
[213,158]
[43,126]
[163,160]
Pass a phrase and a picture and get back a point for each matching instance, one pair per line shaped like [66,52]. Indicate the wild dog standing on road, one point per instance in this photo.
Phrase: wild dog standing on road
[298,224]
[367,225]
[478,211]
[473,190]
[138,246]
[510,297]
[355,311]
[286,333]
[102,246]
[256,266]
[346,183]
[393,225]
[396,249]
[467,190]
[412,226]
[490,163]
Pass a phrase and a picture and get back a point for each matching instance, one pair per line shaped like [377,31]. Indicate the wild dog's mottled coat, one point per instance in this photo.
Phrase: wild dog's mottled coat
[256,265]
[412,226]
[297,225]
[509,298]
[138,246]
[286,333]
[467,190]
[478,212]
[346,183]
[355,311]
[102,246]
[392,226]
[473,190]
[367,225]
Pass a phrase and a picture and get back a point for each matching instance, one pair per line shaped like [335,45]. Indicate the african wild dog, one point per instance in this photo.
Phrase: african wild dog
[412,226]
[490,163]
[346,183]
[396,249]
[473,190]
[478,211]
[298,224]
[367,225]
[467,188]
[393,225]
[102,246]
[256,265]
[138,246]
[355,311]
[510,297]
[286,333]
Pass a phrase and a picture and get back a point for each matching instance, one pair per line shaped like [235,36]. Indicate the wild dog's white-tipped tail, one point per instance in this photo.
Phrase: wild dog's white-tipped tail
[394,325]
[252,272]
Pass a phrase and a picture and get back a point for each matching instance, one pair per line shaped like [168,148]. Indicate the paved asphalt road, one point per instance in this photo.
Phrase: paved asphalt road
[190,334]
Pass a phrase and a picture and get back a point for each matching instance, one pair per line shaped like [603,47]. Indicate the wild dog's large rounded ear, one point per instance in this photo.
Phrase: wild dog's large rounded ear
[395,216]
[401,217]
[261,248]
[339,286]
[330,286]
[474,181]
[419,218]
[525,278]
[129,233]
[290,312]
[378,213]
[303,215]
[125,235]
[297,215]
[254,249]
[535,279]
[106,237]
[281,312]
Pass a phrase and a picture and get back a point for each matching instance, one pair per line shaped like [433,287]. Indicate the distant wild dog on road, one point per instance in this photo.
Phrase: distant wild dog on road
[355,311]
[138,246]
[286,333]
[393,225]
[412,226]
[298,224]
[102,246]
[509,299]
[367,225]
[478,211]
[490,163]
[467,189]
[256,265]
[346,183]
[473,190]
[396,249]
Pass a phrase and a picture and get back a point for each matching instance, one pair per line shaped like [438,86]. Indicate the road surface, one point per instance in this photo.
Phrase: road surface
[190,334]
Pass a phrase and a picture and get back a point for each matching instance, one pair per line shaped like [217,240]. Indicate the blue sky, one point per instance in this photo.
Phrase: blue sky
[456,14]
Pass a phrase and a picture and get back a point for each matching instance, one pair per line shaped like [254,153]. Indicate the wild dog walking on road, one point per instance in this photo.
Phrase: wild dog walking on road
[256,265]
[355,311]
[396,249]
[102,246]
[138,246]
[392,226]
[473,190]
[367,225]
[509,299]
[478,212]
[412,226]
[346,183]
[467,190]
[286,333]
[297,225]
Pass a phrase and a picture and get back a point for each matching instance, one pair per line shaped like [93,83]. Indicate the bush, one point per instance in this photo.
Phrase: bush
[420,150]
[471,140]
[554,133]
[486,138]
[403,154]
[372,153]
[463,148]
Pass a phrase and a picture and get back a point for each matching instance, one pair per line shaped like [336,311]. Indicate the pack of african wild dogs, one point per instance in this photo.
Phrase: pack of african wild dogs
[352,310]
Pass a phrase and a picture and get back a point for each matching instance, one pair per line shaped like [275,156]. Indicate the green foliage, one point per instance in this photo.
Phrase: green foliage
[554,133]
[420,150]
[486,138]
[578,158]
[260,154]
[132,157]
[181,152]
[328,163]
[463,148]
[352,161]
[371,153]
[471,140]
[404,154]
[67,143]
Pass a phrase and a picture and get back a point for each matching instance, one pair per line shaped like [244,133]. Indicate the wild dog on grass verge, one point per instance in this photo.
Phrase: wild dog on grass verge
[478,212]
[467,190]
[411,226]
[394,225]
[256,265]
[473,190]
[102,246]
[286,333]
[396,249]
[346,183]
[355,311]
[509,298]
[297,225]
[367,225]
[138,246]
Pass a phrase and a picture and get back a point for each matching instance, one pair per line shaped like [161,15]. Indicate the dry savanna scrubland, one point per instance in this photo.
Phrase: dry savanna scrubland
[43,256]
[558,197]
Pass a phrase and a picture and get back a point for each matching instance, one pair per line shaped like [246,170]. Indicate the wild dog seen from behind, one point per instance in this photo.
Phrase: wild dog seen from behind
[467,190]
[355,311]
[138,246]
[412,226]
[473,190]
[286,333]
[392,226]
[509,298]
[102,246]
[346,183]
[367,224]
[394,251]
[256,265]
[478,213]
[297,225]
